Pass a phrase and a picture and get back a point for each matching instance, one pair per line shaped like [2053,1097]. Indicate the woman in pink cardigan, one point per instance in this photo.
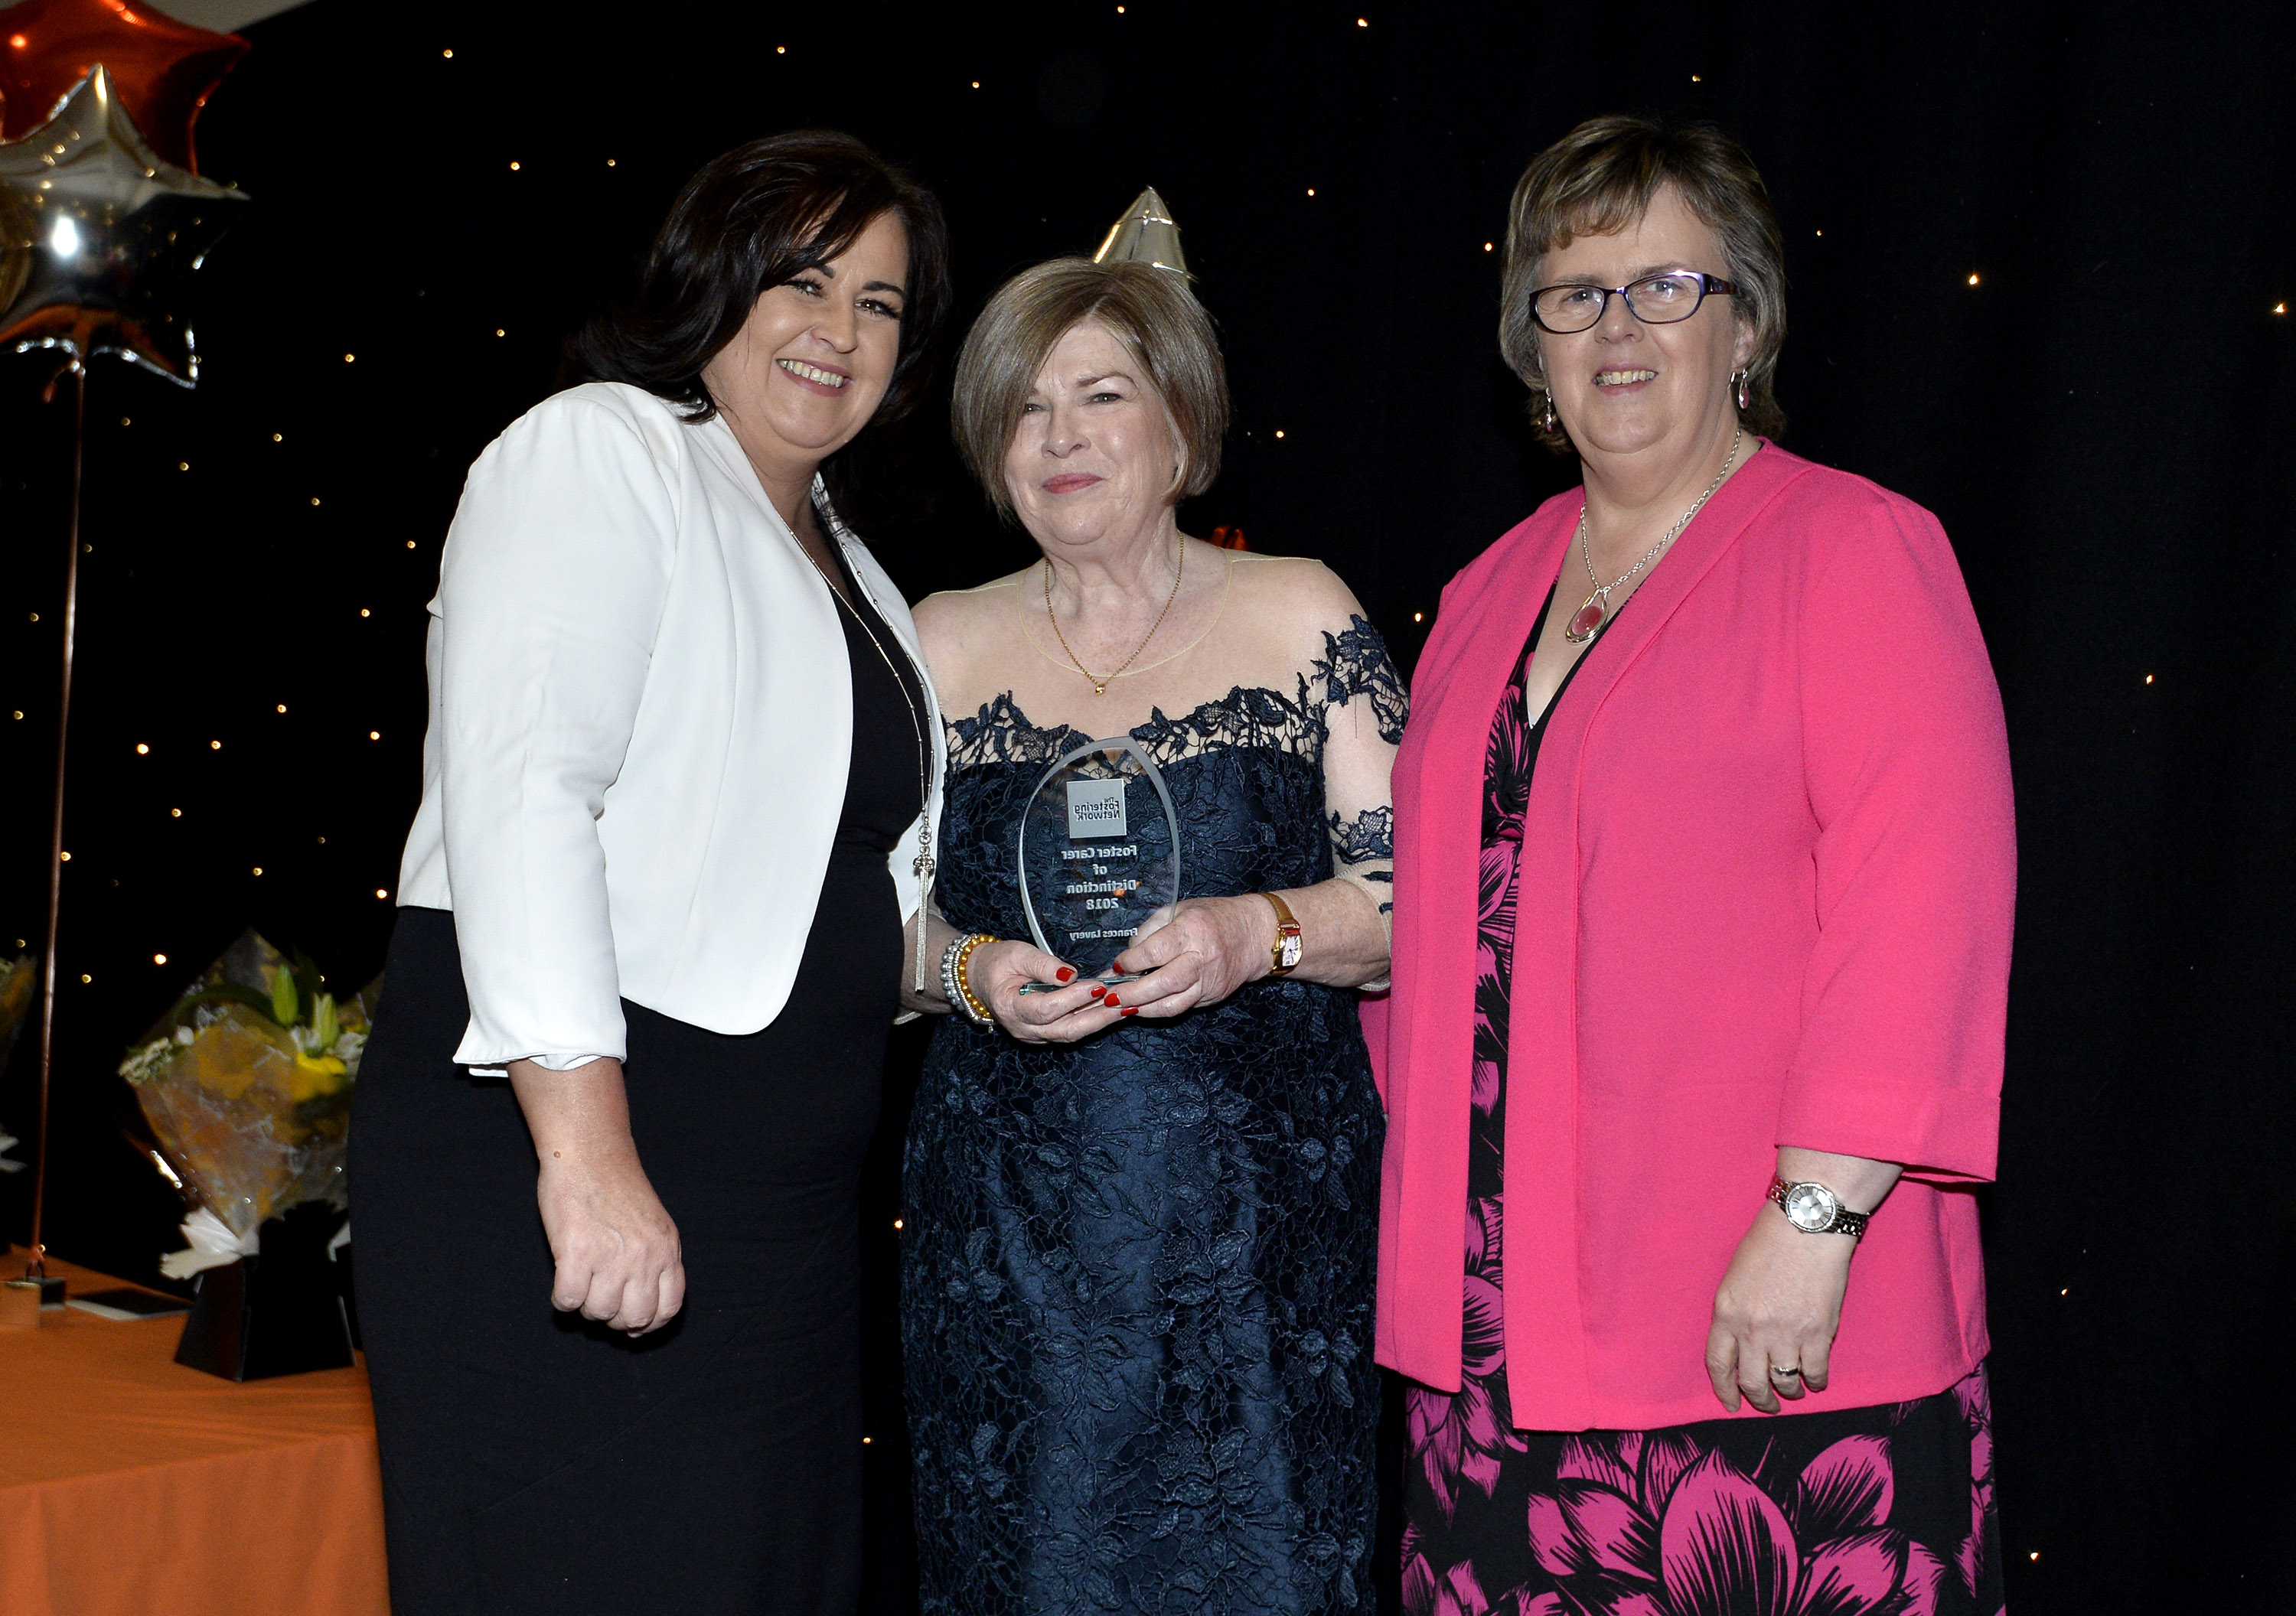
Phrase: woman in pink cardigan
[1696,1026]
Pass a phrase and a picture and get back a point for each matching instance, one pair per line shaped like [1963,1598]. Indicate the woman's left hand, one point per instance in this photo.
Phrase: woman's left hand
[1197,952]
[1778,1308]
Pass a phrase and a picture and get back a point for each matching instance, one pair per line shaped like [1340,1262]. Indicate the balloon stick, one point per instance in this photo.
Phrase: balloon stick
[35,1265]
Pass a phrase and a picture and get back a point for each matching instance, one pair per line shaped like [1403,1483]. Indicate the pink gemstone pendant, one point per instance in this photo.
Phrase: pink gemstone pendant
[1589,618]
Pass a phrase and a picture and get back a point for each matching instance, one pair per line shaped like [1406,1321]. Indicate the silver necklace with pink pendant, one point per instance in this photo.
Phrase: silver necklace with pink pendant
[1590,618]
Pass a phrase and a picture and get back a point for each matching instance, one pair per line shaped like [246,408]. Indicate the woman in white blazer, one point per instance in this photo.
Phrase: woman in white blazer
[679,791]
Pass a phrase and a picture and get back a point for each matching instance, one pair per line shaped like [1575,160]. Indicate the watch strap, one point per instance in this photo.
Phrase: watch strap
[1287,931]
[1844,1221]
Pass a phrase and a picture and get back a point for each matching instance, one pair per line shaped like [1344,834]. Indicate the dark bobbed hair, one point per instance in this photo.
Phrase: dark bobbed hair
[757,217]
[1601,178]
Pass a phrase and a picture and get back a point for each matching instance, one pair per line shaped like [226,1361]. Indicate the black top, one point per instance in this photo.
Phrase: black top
[1522,667]
[847,984]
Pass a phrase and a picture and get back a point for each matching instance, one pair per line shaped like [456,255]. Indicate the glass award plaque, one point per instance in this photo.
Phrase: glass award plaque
[1099,854]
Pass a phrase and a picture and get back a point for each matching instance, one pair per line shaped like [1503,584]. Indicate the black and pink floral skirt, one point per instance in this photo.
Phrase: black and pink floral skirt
[1860,1512]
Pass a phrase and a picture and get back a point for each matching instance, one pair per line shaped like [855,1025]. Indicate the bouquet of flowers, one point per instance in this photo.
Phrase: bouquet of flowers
[247,1085]
[16,981]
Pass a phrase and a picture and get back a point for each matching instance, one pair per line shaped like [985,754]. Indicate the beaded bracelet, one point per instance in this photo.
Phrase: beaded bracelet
[948,974]
[954,987]
[974,1006]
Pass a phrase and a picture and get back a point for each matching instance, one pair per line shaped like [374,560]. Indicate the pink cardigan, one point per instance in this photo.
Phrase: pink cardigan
[1768,871]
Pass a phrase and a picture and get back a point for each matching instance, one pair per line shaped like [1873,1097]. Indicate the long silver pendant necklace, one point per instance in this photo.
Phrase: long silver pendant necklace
[924,866]
[1590,618]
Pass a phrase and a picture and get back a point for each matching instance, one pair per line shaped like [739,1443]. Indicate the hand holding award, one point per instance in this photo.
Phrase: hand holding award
[1097,859]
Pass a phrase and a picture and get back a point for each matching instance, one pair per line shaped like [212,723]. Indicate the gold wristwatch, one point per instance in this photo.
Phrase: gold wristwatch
[1288,947]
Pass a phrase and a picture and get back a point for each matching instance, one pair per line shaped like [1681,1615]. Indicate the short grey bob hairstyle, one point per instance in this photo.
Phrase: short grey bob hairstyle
[1599,178]
[1152,314]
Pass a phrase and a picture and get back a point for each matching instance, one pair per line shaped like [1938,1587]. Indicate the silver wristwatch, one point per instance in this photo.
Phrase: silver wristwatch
[1815,1210]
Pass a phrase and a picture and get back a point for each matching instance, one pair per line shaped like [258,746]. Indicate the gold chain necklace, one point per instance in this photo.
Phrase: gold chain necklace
[1099,685]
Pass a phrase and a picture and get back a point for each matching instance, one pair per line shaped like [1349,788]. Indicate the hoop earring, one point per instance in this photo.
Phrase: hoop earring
[1548,423]
[1745,393]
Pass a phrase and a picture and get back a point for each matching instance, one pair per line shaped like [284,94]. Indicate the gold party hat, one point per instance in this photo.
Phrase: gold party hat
[1145,234]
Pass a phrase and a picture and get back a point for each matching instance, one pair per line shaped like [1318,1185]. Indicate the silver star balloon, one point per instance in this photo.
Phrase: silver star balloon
[1145,234]
[99,237]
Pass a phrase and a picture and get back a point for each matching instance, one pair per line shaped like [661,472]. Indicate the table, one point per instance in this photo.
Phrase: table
[130,1484]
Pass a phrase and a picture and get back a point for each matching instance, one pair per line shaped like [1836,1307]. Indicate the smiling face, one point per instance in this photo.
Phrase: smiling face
[1625,387]
[1095,459]
[811,364]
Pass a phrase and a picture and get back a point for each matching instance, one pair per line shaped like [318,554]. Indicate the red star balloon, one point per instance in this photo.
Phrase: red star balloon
[162,70]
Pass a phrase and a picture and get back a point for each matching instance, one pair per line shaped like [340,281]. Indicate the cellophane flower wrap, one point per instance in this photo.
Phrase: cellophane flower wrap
[18,977]
[247,1084]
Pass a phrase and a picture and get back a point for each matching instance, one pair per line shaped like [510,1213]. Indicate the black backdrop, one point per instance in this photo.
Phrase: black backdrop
[2037,264]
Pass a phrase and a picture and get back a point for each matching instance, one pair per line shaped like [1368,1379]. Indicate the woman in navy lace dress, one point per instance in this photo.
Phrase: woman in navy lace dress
[1140,1220]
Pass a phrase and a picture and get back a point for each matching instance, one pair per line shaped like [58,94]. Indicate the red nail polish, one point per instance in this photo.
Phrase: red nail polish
[1064,974]
[1130,1010]
[1098,987]
[1112,1001]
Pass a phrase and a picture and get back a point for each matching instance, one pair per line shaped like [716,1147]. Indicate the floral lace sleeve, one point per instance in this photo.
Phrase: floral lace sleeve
[1361,703]
[1354,665]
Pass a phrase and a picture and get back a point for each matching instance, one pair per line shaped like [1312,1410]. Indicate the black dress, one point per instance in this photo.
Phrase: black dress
[533,1462]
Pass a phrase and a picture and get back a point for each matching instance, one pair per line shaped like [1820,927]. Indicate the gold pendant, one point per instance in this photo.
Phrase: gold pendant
[1588,618]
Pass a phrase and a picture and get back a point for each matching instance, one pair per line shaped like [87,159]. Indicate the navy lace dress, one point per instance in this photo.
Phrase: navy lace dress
[1137,1276]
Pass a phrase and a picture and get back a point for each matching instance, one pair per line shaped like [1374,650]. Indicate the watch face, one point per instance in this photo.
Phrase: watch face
[1810,1207]
[1291,950]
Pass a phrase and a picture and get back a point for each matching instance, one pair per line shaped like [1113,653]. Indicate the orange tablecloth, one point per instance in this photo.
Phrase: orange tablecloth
[131,1484]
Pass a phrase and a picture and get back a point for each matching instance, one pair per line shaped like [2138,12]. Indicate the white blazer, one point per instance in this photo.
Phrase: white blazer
[641,720]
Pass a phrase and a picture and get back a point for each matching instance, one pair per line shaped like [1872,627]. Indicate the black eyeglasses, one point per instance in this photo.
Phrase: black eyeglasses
[1654,300]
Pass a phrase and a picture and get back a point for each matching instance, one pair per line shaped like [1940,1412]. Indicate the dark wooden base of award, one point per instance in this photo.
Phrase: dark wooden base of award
[279,1312]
